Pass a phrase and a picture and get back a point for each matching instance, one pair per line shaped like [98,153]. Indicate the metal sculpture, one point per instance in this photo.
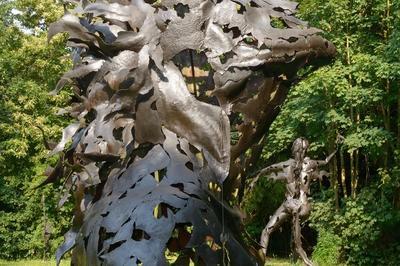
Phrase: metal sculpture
[158,88]
[298,173]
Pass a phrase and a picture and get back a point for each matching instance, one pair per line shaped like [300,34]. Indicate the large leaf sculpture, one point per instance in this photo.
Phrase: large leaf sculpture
[160,86]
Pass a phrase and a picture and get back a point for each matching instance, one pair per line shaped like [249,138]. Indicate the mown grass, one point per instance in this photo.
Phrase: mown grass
[270,262]
[280,262]
[33,263]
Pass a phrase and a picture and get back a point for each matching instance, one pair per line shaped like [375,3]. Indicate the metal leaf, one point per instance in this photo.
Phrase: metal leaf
[78,72]
[71,24]
[205,126]
[69,243]
[67,134]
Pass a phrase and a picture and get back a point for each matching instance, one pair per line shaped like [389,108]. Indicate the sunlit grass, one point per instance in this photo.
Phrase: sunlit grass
[270,262]
[280,262]
[33,263]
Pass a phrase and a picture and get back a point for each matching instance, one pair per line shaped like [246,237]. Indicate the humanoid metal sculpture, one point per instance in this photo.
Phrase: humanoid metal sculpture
[158,87]
[298,173]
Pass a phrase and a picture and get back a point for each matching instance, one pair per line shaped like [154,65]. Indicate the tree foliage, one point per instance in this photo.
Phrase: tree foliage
[358,97]
[28,71]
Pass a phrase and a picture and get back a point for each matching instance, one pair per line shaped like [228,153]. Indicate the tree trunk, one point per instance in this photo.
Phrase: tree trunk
[340,174]
[362,170]
[354,174]
[334,181]
[398,117]
[347,171]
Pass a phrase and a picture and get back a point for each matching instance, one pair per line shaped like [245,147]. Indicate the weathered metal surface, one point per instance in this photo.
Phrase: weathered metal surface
[160,88]
[298,173]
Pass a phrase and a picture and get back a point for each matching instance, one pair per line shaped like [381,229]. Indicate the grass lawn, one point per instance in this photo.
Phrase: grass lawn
[33,263]
[280,262]
[270,262]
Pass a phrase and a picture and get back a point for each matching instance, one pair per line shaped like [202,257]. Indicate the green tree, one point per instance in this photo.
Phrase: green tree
[357,96]
[29,69]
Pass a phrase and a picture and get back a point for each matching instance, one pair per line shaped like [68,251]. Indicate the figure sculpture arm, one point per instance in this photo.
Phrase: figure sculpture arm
[339,141]
[317,174]
[326,161]
[278,167]
[321,174]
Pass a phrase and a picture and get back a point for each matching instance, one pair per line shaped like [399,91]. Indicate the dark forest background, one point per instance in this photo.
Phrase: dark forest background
[356,213]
